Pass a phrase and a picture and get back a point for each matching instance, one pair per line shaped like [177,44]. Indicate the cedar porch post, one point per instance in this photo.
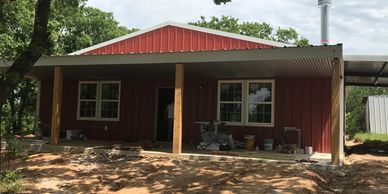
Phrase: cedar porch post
[337,118]
[56,109]
[178,105]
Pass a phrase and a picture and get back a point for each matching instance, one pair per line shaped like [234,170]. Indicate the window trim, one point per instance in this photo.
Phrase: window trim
[272,124]
[98,101]
[118,101]
[235,102]
[245,102]
[79,101]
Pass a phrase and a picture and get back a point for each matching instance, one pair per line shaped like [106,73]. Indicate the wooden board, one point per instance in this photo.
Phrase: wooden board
[335,112]
[56,108]
[178,105]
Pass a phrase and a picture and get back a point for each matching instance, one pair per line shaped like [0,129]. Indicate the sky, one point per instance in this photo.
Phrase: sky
[361,25]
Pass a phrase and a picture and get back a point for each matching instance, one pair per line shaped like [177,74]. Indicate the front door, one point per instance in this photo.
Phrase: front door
[164,121]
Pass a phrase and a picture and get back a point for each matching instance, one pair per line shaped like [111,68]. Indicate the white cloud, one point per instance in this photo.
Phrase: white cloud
[360,25]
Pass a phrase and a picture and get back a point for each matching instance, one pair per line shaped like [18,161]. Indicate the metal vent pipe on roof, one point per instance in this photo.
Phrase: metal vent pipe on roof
[324,5]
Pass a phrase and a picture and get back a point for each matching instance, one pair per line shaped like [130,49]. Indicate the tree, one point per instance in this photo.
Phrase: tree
[218,2]
[71,28]
[37,47]
[254,29]
[355,108]
[77,28]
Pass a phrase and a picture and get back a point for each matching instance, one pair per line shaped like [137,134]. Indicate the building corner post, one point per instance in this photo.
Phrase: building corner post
[56,108]
[337,111]
[178,107]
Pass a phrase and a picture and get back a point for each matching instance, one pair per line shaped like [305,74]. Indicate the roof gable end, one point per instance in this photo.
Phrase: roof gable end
[175,37]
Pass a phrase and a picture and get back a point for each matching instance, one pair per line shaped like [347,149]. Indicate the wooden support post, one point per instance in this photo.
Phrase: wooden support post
[336,111]
[56,109]
[178,105]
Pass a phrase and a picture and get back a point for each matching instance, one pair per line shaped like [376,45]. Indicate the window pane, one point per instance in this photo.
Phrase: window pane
[109,109]
[88,91]
[260,113]
[110,91]
[87,109]
[231,92]
[230,112]
[260,92]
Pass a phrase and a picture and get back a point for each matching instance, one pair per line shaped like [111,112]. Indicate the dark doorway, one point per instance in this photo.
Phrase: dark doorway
[165,97]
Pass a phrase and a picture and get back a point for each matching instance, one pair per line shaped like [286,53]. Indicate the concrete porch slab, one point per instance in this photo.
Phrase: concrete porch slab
[37,146]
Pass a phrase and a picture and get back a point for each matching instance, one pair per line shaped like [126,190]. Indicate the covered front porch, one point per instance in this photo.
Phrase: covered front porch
[308,93]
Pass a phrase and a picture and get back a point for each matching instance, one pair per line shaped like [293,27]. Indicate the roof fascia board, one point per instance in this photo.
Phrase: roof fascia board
[185,26]
[196,57]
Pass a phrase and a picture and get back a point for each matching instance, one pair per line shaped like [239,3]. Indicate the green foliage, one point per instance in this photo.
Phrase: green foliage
[254,29]
[19,112]
[355,108]
[13,148]
[10,181]
[73,26]
[16,26]
[74,29]
[218,2]
[363,137]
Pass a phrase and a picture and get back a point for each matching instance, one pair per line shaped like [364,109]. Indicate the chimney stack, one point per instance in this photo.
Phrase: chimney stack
[324,5]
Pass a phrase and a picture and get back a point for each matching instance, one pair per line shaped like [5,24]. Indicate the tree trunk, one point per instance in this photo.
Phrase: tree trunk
[24,91]
[1,120]
[38,47]
[13,114]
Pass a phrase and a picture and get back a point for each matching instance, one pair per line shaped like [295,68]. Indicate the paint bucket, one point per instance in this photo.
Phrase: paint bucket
[268,144]
[249,142]
[69,133]
[308,150]
[73,134]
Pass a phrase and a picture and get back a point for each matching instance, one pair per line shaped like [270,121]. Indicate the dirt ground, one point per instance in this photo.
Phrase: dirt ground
[76,173]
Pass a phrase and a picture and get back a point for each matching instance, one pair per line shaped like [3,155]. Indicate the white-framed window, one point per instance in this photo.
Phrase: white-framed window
[99,100]
[87,100]
[246,102]
[230,101]
[260,102]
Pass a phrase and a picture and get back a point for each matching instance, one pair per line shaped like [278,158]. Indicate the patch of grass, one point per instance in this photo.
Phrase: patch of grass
[363,137]
[10,181]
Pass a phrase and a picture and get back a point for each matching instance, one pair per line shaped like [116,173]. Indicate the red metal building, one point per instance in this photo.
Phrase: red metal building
[114,90]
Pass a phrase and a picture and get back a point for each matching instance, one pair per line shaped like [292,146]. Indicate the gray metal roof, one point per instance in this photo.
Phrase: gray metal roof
[275,62]
[366,70]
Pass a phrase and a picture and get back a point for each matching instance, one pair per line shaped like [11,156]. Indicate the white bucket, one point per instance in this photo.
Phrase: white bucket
[69,133]
[268,144]
[308,150]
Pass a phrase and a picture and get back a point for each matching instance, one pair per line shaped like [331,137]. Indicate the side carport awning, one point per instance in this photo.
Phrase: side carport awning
[366,70]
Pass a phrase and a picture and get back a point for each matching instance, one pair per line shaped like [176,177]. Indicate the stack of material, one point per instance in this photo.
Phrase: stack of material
[134,150]
[127,147]
[289,149]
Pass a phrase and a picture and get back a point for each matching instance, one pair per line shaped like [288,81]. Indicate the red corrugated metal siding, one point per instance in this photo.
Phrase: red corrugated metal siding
[174,39]
[299,102]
